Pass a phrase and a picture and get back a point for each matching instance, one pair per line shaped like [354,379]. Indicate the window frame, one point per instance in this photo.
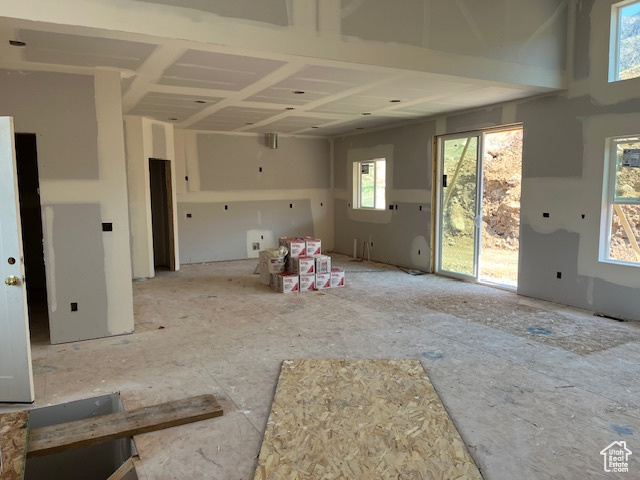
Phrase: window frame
[614,42]
[610,199]
[357,170]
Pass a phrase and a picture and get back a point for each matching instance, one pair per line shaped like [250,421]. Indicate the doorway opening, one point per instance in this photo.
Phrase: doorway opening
[162,214]
[479,206]
[32,236]
[501,180]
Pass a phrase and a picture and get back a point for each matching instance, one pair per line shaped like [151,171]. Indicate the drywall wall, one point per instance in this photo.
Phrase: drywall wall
[245,163]
[400,236]
[290,196]
[41,105]
[564,165]
[223,231]
[76,268]
[268,11]
[146,139]
[74,132]
[495,29]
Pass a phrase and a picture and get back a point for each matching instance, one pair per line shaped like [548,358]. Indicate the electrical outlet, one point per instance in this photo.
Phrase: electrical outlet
[255,246]
[226,207]
[260,169]
[559,275]
[107,227]
[188,215]
[545,214]
[74,307]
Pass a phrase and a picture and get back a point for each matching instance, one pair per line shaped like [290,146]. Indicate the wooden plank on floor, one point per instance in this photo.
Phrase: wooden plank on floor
[89,431]
[360,419]
[14,431]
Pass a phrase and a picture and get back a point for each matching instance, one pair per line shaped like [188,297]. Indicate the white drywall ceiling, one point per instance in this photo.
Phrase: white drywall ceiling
[203,87]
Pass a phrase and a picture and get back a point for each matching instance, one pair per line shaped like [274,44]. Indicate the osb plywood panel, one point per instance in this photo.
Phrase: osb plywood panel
[13,444]
[360,419]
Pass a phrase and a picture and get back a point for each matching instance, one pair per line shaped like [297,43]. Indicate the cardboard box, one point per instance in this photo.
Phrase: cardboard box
[337,278]
[323,263]
[287,283]
[302,265]
[296,246]
[307,282]
[323,280]
[313,246]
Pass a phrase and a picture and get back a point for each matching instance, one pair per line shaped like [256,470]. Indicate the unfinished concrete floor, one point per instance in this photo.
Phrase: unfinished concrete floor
[536,389]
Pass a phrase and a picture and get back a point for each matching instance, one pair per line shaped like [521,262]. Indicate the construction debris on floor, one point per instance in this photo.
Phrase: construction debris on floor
[13,444]
[18,442]
[360,419]
[299,266]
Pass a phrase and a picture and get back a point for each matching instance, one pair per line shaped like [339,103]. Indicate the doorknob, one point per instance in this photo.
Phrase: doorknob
[12,281]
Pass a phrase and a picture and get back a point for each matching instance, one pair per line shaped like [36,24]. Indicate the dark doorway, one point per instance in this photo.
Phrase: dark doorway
[32,238]
[161,214]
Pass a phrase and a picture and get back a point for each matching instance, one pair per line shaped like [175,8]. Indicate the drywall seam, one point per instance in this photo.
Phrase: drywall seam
[147,153]
[222,196]
[51,258]
[192,166]
[111,159]
[180,161]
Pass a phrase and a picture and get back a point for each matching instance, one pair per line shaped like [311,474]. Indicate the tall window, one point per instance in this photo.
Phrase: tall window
[370,183]
[623,225]
[625,40]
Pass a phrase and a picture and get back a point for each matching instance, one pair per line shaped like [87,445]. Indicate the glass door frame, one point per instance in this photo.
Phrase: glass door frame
[439,172]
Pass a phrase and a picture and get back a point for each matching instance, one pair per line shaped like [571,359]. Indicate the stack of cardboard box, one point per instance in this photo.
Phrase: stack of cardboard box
[305,267]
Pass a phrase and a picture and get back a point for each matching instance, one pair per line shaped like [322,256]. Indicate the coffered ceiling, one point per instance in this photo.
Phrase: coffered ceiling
[209,87]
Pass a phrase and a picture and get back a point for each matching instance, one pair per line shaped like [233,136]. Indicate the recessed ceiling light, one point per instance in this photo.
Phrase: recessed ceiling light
[290,108]
[395,100]
[299,92]
[315,127]
[366,113]
[249,123]
[200,101]
[17,43]
[173,119]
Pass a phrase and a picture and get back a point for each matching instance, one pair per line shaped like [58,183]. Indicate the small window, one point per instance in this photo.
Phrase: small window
[623,223]
[625,40]
[369,184]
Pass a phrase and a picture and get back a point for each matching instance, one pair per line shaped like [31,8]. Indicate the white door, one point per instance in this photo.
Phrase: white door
[16,377]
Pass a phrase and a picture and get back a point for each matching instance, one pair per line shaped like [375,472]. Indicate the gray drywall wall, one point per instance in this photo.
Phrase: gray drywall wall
[60,109]
[404,241]
[467,121]
[498,29]
[229,162]
[159,142]
[75,260]
[581,61]
[214,233]
[552,144]
[382,21]
[274,12]
[547,254]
